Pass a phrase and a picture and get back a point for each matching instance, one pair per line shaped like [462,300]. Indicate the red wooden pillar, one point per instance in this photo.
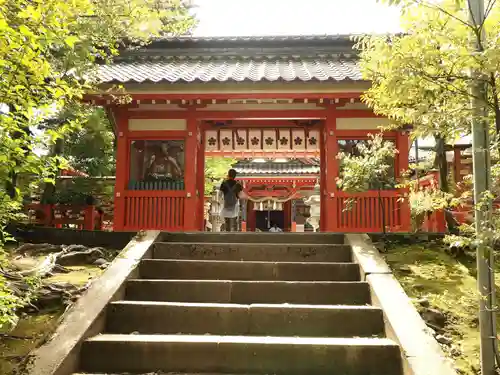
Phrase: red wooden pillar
[200,177]
[89,218]
[251,219]
[329,169]
[287,212]
[403,146]
[121,169]
[190,207]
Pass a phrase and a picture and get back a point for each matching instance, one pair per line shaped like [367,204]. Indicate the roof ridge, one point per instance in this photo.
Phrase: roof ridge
[258,58]
[255,37]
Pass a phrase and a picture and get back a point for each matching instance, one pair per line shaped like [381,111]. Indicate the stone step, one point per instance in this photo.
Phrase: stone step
[249,237]
[252,252]
[240,355]
[238,270]
[233,319]
[247,292]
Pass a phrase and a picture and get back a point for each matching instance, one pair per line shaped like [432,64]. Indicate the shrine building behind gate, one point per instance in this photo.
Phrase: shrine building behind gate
[293,98]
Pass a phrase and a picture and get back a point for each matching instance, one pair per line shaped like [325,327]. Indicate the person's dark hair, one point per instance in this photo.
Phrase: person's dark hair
[232,173]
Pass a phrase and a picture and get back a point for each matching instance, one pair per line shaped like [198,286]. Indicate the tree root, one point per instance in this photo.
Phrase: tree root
[42,295]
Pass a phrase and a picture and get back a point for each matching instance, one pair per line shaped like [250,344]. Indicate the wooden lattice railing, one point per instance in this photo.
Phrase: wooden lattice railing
[65,216]
[369,212]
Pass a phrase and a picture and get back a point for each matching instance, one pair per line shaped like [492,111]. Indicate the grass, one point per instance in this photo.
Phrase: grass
[33,329]
[427,271]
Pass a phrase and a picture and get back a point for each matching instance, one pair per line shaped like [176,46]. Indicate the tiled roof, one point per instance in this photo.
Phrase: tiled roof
[292,168]
[177,70]
[237,59]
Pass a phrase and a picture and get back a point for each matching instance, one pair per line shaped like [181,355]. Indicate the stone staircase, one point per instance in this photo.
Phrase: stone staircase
[245,304]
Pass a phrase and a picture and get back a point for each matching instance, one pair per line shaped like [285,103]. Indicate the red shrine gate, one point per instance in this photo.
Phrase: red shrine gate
[178,205]
[179,112]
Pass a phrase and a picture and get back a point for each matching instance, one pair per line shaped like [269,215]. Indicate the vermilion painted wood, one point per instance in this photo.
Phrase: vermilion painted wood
[263,153]
[155,193]
[200,176]
[84,216]
[122,163]
[330,167]
[148,213]
[307,114]
[260,123]
[403,146]
[365,215]
[191,208]
[171,210]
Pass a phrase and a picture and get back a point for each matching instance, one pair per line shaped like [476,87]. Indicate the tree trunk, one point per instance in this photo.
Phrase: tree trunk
[442,165]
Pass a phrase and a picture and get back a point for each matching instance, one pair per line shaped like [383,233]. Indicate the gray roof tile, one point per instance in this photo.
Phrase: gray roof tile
[177,70]
[291,58]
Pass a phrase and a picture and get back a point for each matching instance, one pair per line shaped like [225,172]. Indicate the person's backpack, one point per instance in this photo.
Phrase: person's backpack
[230,198]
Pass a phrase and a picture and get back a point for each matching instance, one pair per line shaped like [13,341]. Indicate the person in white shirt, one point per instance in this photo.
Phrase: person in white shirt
[275,228]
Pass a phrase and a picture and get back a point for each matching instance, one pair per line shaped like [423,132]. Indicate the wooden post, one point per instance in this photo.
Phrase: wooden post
[48,214]
[403,146]
[121,169]
[89,218]
[190,209]
[329,169]
[200,177]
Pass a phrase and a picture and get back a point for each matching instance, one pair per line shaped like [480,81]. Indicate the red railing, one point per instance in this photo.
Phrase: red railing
[433,221]
[154,210]
[64,216]
[366,212]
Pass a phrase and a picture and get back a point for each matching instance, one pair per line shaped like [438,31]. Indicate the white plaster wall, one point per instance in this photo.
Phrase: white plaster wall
[156,124]
[361,123]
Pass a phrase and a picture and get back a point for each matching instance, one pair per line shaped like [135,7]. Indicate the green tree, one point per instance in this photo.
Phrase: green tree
[91,147]
[215,171]
[48,50]
[422,78]
[368,169]
[445,65]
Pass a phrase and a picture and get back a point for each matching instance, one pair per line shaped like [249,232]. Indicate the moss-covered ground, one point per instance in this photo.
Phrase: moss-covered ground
[34,328]
[427,272]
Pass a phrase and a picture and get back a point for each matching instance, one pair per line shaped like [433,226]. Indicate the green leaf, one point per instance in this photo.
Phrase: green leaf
[71,40]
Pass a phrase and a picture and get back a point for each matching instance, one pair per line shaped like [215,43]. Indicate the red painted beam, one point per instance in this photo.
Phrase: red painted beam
[314,114]
[267,154]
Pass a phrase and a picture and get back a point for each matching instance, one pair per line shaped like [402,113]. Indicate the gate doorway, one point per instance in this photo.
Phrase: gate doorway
[277,162]
[266,219]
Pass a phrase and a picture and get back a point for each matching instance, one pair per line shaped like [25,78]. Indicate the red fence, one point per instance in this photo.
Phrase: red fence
[154,210]
[366,212]
[60,216]
[432,221]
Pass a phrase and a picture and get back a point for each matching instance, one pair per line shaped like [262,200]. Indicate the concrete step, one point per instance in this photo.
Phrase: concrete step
[232,319]
[240,354]
[248,237]
[247,292]
[238,270]
[252,252]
